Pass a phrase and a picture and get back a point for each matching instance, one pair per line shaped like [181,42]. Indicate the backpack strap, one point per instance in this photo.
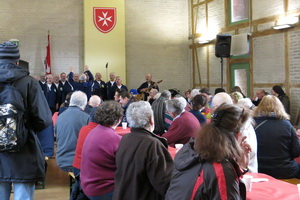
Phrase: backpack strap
[199,181]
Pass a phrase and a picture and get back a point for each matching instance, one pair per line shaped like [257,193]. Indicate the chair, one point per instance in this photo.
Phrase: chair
[294,181]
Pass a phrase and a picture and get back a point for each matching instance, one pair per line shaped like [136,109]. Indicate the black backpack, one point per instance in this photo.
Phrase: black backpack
[13,133]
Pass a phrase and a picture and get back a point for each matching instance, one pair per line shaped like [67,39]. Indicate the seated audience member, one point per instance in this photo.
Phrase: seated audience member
[259,94]
[187,96]
[184,125]
[237,89]
[194,92]
[67,128]
[94,101]
[246,103]
[247,131]
[144,165]
[236,96]
[174,92]
[159,111]
[65,104]
[199,102]
[279,93]
[117,94]
[277,140]
[125,100]
[215,157]
[133,92]
[118,85]
[218,90]
[98,164]
[84,131]
[151,98]
[188,107]
[207,111]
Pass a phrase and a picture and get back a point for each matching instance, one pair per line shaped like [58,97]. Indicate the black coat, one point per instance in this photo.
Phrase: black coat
[277,146]
[27,165]
[144,166]
[188,165]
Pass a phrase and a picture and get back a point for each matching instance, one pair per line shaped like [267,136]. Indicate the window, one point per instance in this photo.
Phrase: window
[238,11]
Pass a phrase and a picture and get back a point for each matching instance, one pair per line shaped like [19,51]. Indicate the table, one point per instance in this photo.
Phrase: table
[122,131]
[272,190]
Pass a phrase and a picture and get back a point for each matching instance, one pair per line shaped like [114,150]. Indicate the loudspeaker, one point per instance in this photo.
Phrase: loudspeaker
[223,43]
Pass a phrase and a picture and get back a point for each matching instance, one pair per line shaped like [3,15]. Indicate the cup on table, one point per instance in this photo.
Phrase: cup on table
[124,125]
[298,186]
[248,182]
[178,147]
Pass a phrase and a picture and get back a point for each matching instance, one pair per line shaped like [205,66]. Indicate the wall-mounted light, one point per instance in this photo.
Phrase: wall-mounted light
[283,26]
[286,22]
[204,41]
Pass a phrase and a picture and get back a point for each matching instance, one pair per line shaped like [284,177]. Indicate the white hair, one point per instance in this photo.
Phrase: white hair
[157,95]
[220,98]
[138,114]
[94,101]
[194,92]
[166,94]
[245,103]
[79,99]
[176,105]
[82,77]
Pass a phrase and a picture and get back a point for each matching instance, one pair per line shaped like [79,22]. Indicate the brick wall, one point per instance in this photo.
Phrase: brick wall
[268,59]
[266,8]
[157,42]
[29,21]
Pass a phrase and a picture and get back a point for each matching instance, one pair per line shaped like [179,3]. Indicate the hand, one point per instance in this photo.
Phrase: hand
[86,67]
[71,69]
[298,132]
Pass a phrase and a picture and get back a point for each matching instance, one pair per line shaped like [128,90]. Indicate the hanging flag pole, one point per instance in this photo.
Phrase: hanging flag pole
[48,56]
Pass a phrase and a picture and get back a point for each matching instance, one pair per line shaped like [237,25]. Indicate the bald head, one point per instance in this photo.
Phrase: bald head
[94,101]
[148,77]
[220,98]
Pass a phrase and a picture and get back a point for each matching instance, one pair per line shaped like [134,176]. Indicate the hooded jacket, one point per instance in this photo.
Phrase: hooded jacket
[26,165]
[188,166]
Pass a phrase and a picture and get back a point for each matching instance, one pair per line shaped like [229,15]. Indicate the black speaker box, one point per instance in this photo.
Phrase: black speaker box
[223,43]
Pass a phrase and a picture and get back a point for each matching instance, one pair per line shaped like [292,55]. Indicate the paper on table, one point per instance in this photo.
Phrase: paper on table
[256,180]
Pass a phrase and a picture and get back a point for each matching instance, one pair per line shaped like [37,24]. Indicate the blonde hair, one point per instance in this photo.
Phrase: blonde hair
[270,106]
[236,96]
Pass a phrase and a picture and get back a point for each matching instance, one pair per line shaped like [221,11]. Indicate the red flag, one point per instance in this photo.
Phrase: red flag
[47,59]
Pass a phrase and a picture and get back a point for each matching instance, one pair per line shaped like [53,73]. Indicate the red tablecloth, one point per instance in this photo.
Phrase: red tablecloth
[272,190]
[122,131]
[172,151]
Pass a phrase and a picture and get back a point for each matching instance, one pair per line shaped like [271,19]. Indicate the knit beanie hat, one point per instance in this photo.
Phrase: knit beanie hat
[278,90]
[9,52]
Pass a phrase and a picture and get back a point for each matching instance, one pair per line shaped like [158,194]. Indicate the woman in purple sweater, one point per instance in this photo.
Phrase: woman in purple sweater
[98,164]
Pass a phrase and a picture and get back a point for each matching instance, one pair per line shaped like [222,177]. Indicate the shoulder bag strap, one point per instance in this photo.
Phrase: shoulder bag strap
[260,124]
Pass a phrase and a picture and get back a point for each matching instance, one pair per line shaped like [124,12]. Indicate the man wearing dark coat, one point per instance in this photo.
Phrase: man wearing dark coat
[26,166]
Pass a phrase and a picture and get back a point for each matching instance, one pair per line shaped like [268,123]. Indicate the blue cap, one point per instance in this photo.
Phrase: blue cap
[133,91]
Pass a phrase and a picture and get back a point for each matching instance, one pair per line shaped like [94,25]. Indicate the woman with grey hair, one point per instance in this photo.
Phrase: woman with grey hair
[150,164]
[184,125]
